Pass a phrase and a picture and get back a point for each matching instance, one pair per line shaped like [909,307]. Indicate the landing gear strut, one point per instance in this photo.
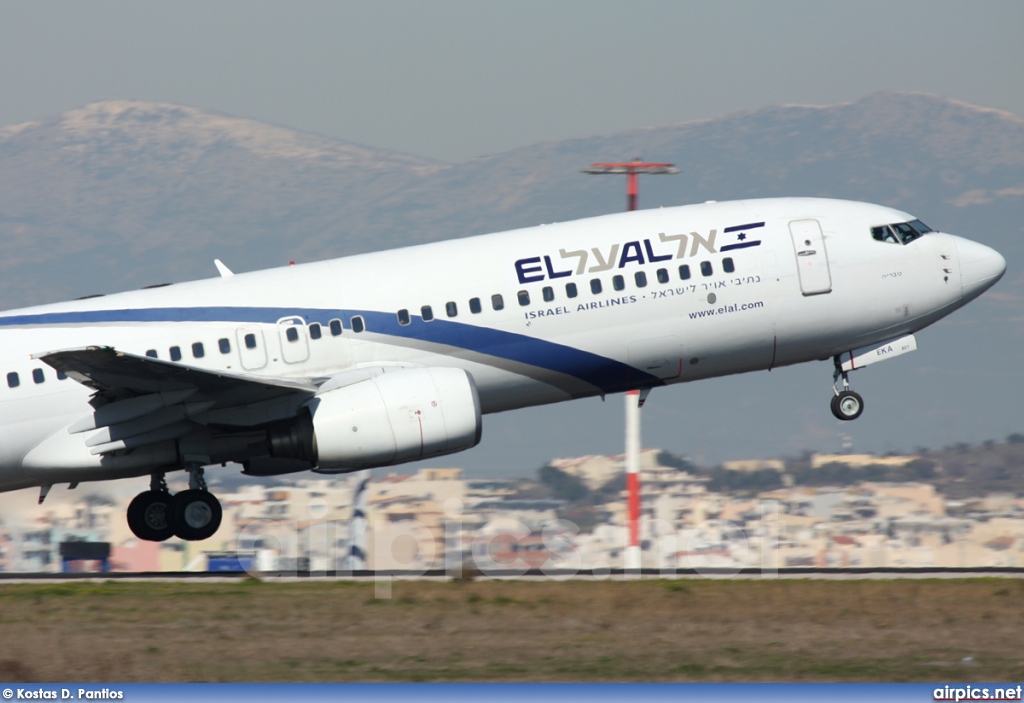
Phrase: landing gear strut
[155,515]
[846,404]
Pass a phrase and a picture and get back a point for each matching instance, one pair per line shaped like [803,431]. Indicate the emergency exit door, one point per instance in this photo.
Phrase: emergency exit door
[811,257]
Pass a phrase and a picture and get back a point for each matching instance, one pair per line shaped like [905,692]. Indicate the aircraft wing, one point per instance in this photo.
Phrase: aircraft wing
[117,375]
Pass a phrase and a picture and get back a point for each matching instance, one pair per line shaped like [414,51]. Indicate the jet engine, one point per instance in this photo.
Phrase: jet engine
[392,418]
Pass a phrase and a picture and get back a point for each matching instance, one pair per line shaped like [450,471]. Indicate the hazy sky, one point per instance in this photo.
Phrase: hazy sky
[452,80]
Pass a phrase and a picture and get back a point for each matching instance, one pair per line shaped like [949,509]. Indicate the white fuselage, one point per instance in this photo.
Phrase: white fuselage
[807,281]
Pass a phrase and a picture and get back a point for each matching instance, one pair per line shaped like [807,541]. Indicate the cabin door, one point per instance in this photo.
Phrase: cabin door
[811,257]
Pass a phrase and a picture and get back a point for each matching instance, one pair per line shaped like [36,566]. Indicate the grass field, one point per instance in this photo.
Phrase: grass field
[788,630]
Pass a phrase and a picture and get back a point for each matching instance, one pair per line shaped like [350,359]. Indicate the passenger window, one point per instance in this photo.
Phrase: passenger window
[474,306]
[291,333]
[727,265]
[640,278]
[684,272]
[662,275]
[451,309]
[61,375]
[197,350]
[175,353]
[224,344]
[37,375]
[570,290]
[595,285]
[151,353]
[358,325]
[426,312]
[705,268]
[315,331]
[549,293]
[335,327]
[12,380]
[497,302]
[403,317]
[250,341]
[524,298]
[618,283]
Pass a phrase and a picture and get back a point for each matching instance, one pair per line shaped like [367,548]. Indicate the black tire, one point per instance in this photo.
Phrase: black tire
[196,515]
[847,406]
[149,516]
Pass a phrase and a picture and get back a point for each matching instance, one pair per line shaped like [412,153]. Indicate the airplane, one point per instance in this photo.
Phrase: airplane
[390,357]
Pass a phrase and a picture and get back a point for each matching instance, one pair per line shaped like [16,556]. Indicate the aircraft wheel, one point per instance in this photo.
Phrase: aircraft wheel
[149,516]
[848,405]
[195,515]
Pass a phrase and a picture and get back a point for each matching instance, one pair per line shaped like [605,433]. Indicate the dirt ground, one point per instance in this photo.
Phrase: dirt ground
[651,630]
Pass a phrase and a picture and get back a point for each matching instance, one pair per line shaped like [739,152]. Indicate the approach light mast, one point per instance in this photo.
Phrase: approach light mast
[632,170]
[634,399]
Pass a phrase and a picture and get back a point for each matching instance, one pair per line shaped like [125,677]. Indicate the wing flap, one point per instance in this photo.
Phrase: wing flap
[127,410]
[147,423]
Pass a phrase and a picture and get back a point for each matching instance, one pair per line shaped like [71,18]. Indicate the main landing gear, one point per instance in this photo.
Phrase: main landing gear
[846,404]
[195,514]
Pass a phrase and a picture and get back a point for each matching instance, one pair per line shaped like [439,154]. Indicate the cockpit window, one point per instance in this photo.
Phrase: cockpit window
[921,227]
[901,232]
[906,232]
[884,234]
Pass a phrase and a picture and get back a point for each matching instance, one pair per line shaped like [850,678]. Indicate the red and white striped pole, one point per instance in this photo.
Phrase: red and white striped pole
[634,399]
[632,555]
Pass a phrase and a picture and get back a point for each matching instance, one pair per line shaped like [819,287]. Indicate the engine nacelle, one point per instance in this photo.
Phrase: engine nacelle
[390,419]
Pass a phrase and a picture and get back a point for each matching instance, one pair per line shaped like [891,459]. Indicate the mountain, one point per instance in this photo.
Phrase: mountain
[136,193]
[122,194]
[117,195]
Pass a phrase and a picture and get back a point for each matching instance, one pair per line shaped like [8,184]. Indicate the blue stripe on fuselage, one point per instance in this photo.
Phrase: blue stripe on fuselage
[606,374]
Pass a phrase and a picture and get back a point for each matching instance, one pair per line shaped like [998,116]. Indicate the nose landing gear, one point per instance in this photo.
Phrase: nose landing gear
[846,404]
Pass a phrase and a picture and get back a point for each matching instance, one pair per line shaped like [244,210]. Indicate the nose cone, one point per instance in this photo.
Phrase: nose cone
[980,267]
